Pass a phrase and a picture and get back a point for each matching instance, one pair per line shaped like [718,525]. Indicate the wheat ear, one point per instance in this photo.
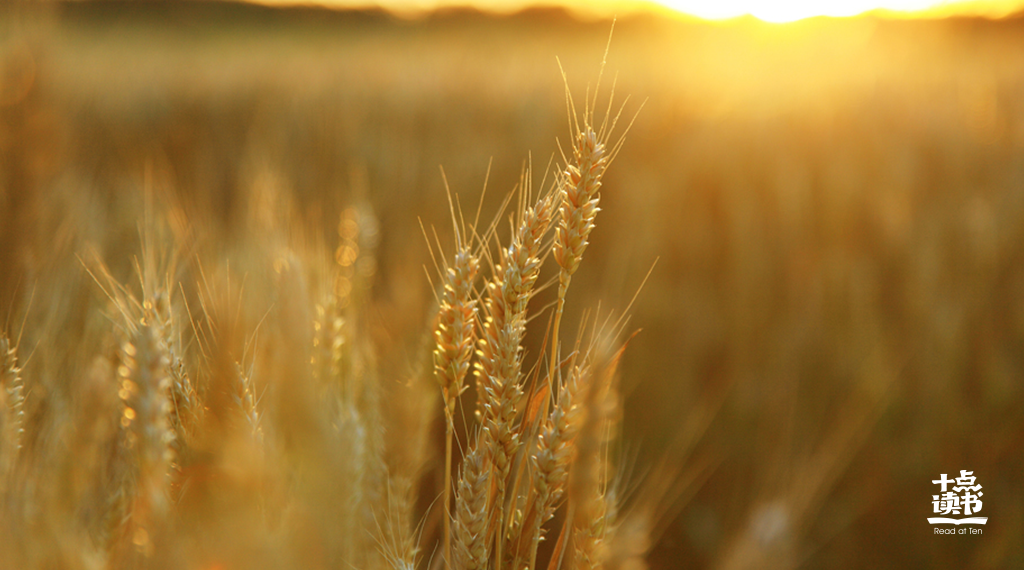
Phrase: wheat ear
[552,459]
[145,417]
[186,408]
[244,396]
[471,513]
[12,417]
[499,362]
[594,507]
[579,186]
[508,293]
[455,327]
[454,336]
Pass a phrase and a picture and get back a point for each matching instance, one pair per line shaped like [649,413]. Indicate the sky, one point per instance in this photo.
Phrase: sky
[768,10]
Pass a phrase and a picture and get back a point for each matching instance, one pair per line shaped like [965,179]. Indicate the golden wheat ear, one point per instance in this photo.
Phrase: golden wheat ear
[12,408]
[144,388]
[454,336]
[455,333]
[551,462]
[397,539]
[500,353]
[471,547]
[244,397]
[592,499]
[593,150]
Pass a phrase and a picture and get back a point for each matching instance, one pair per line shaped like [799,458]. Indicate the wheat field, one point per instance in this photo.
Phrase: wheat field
[292,288]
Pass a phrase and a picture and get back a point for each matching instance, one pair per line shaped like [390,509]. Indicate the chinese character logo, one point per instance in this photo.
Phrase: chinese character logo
[963,499]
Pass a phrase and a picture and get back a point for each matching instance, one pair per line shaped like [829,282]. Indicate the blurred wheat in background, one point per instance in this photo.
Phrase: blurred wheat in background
[219,348]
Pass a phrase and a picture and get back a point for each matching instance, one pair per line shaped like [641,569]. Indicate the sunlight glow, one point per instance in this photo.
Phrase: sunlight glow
[787,11]
[780,11]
